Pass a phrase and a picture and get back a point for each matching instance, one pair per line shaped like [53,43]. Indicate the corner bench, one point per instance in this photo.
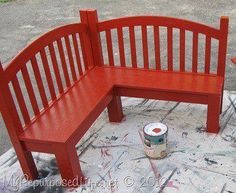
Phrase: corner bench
[82,86]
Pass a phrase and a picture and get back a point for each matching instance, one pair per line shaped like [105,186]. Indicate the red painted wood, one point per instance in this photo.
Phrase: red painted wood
[145,47]
[115,112]
[164,80]
[222,50]
[133,47]
[207,55]
[157,47]
[68,164]
[213,112]
[85,56]
[162,95]
[55,67]
[86,47]
[30,90]
[76,105]
[182,50]
[14,128]
[48,74]
[121,46]
[67,118]
[233,60]
[90,18]
[170,48]
[39,81]
[109,47]
[21,100]
[63,63]
[195,52]
[77,54]
[71,61]
[159,21]
[31,50]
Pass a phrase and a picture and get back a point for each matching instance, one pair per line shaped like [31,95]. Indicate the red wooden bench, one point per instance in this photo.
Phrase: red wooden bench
[66,68]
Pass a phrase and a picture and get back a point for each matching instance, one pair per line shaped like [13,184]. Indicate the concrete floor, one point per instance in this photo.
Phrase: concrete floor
[22,21]
[112,155]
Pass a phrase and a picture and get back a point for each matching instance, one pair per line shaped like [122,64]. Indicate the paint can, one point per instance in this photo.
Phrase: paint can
[155,140]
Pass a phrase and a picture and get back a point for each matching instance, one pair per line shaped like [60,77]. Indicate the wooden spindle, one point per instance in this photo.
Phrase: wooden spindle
[157,47]
[63,62]
[48,74]
[30,90]
[195,52]
[170,48]
[20,100]
[71,61]
[39,81]
[77,54]
[208,54]
[133,46]
[55,67]
[109,47]
[182,50]
[145,47]
[121,46]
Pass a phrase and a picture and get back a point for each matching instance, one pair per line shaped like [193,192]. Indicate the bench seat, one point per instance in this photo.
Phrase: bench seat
[73,110]
[163,80]
[90,95]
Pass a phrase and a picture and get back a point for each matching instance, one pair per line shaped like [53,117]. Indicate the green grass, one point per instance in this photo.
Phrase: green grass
[4,1]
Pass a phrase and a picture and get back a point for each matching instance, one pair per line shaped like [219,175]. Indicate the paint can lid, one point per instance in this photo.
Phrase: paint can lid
[155,129]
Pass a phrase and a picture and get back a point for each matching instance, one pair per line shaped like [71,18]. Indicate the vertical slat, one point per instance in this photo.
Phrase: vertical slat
[20,99]
[48,74]
[83,42]
[182,50]
[71,61]
[133,46]
[121,46]
[145,46]
[157,47]
[30,90]
[77,54]
[207,54]
[170,48]
[63,62]
[39,81]
[195,52]
[109,47]
[55,67]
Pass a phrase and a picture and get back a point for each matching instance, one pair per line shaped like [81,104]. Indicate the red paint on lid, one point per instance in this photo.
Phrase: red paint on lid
[156,130]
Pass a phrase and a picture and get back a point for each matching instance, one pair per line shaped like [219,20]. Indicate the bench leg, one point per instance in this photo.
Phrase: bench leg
[27,163]
[69,166]
[115,111]
[213,114]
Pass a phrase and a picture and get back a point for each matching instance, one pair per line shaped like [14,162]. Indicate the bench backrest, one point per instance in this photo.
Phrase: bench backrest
[149,27]
[42,73]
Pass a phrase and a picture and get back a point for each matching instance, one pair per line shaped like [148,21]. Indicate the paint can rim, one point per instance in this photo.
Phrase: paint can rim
[163,129]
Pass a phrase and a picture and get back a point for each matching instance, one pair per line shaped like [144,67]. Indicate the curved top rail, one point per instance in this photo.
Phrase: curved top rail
[159,21]
[41,42]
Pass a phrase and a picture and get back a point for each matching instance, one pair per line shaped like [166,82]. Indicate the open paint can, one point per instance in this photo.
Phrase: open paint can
[155,140]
